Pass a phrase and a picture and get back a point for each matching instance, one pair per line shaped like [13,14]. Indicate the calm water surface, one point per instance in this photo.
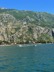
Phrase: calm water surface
[30,58]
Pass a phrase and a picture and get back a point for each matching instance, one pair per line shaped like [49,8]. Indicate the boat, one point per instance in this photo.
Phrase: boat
[35,45]
[20,45]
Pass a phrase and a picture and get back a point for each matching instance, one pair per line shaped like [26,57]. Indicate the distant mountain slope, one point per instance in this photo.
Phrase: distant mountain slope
[38,18]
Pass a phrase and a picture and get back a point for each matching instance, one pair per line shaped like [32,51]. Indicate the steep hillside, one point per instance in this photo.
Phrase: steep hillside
[25,27]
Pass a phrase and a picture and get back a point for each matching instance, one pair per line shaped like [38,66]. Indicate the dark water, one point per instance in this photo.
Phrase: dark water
[31,58]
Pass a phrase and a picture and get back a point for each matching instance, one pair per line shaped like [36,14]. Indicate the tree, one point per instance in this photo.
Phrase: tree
[45,38]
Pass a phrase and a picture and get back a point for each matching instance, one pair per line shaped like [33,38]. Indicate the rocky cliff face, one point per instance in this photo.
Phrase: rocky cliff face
[18,30]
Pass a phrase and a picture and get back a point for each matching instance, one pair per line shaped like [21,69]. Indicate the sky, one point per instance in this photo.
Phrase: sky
[32,5]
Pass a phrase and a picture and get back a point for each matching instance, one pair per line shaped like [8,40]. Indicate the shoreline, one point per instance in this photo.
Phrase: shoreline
[24,44]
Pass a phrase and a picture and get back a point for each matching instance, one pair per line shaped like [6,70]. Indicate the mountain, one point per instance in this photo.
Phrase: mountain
[38,18]
[25,27]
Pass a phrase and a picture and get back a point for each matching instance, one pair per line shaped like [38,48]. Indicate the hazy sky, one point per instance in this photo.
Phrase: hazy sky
[34,5]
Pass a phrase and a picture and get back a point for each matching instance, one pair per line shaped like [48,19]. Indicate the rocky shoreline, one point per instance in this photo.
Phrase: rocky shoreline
[20,45]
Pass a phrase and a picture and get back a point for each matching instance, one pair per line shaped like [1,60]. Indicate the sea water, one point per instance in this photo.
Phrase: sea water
[27,58]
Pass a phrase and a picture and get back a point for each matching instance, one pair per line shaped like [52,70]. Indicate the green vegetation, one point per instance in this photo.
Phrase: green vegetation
[45,38]
[25,27]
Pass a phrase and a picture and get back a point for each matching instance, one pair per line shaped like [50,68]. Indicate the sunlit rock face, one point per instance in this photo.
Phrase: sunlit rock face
[25,26]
